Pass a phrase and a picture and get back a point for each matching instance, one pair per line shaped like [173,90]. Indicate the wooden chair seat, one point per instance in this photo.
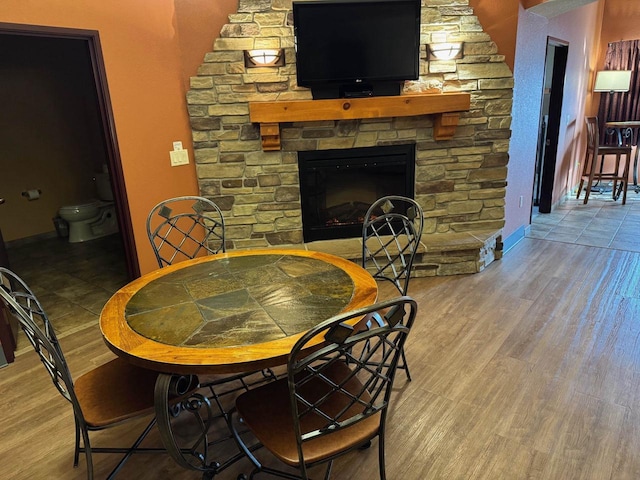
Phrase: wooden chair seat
[114,392]
[272,422]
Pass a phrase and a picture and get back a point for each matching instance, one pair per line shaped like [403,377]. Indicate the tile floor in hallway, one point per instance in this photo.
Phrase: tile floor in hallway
[73,281]
[602,222]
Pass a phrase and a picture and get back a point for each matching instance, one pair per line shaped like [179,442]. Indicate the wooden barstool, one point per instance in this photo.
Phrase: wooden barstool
[590,165]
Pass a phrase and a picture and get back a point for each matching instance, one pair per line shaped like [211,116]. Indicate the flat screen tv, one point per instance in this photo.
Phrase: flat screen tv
[355,48]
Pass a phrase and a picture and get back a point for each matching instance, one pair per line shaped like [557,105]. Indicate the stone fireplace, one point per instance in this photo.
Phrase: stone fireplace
[459,182]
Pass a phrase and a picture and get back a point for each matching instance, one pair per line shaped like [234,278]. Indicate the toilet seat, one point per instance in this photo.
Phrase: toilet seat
[87,206]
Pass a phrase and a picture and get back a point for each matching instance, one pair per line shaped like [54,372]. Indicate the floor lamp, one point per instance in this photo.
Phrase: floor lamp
[612,81]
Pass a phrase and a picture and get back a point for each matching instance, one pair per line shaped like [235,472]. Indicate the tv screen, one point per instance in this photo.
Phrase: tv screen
[351,42]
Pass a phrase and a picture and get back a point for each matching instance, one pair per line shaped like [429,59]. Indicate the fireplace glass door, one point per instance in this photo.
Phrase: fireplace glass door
[338,186]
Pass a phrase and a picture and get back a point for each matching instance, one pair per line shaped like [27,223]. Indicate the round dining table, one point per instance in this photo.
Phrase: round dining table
[227,313]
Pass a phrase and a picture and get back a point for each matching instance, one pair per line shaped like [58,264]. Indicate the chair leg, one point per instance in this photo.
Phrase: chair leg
[587,190]
[405,365]
[244,449]
[87,453]
[580,188]
[592,172]
[616,191]
[585,166]
[625,175]
[621,182]
[327,474]
[132,450]
[76,454]
[381,462]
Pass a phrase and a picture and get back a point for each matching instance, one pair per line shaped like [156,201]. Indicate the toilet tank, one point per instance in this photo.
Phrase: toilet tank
[103,187]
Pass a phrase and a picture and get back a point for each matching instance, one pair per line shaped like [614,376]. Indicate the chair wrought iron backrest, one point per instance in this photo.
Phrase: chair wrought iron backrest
[348,378]
[185,227]
[391,234]
[25,307]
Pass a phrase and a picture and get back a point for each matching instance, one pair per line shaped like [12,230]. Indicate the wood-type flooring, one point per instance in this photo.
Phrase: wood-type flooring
[527,370]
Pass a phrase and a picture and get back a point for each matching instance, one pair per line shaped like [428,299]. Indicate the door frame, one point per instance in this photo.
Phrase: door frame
[114,161]
[547,178]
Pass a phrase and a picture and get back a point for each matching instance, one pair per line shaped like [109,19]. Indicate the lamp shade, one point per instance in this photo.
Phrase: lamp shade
[613,81]
[264,58]
[444,51]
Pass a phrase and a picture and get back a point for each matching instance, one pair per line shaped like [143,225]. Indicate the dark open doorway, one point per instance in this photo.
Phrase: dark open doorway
[93,73]
[550,119]
[91,41]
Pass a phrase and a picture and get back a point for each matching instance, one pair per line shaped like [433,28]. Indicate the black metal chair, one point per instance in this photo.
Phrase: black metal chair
[391,234]
[333,400]
[185,227]
[104,397]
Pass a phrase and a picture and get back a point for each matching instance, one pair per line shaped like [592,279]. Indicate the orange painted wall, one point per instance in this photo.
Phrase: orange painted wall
[199,23]
[500,20]
[150,51]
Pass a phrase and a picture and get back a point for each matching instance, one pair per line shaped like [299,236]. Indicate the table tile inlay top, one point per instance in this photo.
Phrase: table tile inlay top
[236,301]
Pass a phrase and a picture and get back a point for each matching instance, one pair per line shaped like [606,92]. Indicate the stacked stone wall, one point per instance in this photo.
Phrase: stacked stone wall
[460,183]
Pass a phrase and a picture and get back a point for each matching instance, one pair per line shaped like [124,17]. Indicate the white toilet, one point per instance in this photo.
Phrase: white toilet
[94,218]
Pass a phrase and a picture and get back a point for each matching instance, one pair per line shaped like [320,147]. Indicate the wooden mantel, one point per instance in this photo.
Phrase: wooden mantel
[445,107]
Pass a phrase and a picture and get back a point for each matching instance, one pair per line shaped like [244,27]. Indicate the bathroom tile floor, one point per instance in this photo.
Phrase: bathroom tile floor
[73,281]
[602,222]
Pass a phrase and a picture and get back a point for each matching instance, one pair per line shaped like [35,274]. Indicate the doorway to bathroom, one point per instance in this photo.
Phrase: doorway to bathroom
[57,129]
[57,132]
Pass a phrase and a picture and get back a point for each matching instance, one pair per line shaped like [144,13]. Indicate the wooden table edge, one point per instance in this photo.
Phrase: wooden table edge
[147,353]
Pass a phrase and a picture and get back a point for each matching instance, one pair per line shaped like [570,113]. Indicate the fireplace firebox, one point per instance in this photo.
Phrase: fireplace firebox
[338,186]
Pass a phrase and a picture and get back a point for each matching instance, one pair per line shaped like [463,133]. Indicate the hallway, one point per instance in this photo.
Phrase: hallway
[600,223]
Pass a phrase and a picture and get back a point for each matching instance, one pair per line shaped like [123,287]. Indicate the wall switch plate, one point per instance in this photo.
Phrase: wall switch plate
[179,157]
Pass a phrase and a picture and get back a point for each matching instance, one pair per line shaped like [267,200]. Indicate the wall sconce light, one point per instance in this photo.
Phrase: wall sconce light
[444,51]
[264,58]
